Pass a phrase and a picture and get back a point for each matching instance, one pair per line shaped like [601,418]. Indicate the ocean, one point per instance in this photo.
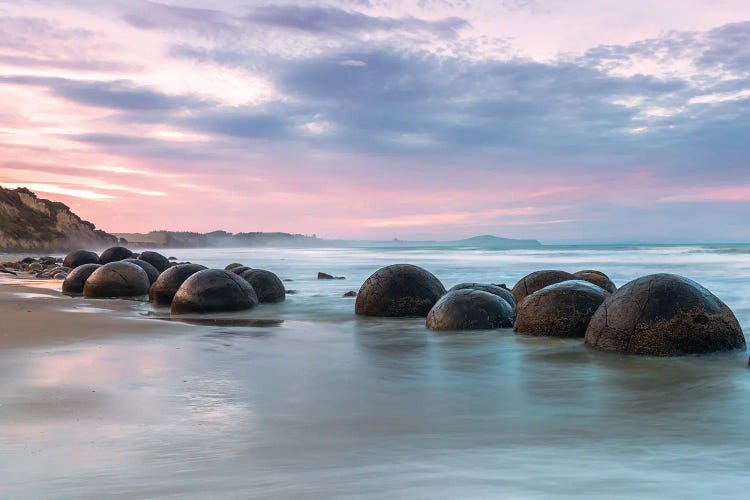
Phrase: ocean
[306,400]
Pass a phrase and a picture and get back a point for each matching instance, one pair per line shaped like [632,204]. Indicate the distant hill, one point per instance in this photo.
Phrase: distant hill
[29,223]
[489,241]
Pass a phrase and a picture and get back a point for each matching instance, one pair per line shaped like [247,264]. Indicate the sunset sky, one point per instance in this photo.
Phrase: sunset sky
[587,120]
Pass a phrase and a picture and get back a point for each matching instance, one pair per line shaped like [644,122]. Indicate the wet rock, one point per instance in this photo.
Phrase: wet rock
[163,290]
[232,266]
[240,269]
[664,315]
[8,271]
[560,310]
[79,258]
[292,292]
[156,259]
[399,290]
[28,260]
[60,276]
[151,271]
[268,287]
[117,279]
[470,309]
[36,266]
[172,258]
[213,290]
[326,276]
[598,278]
[498,290]
[76,280]
[538,280]
[350,293]
[114,254]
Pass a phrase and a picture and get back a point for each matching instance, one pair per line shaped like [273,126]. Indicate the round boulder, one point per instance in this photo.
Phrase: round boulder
[598,278]
[399,290]
[538,280]
[268,287]
[114,254]
[664,315]
[79,258]
[75,281]
[239,270]
[470,309]
[232,266]
[157,260]
[501,292]
[560,310]
[151,271]
[165,287]
[117,279]
[213,290]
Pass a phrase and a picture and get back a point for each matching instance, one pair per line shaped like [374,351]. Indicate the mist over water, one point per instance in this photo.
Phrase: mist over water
[304,399]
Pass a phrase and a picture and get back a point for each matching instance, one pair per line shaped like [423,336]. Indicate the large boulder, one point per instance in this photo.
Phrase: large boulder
[79,258]
[151,271]
[115,254]
[213,290]
[538,280]
[76,279]
[268,287]
[117,279]
[560,310]
[664,315]
[598,278]
[156,259]
[399,290]
[470,309]
[500,291]
[163,290]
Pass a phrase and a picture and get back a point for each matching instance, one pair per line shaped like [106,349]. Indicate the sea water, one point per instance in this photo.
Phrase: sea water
[306,400]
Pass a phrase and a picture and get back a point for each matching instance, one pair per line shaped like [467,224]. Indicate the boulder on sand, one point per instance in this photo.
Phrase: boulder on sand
[470,309]
[213,291]
[115,254]
[156,259]
[75,281]
[399,290]
[79,258]
[151,271]
[165,287]
[598,278]
[268,287]
[538,280]
[117,279]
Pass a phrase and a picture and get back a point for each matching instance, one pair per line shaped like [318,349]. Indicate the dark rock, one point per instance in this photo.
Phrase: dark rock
[560,310]
[268,287]
[79,258]
[213,290]
[470,309]
[598,278]
[292,292]
[538,280]
[498,290]
[326,276]
[165,287]
[232,266]
[240,269]
[60,276]
[151,271]
[399,290]
[115,254]
[36,266]
[117,279]
[156,259]
[8,271]
[76,279]
[172,258]
[350,293]
[28,260]
[664,315]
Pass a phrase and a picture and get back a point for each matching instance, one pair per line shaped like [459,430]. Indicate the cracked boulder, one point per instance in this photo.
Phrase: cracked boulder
[500,291]
[79,258]
[268,287]
[560,310]
[117,279]
[470,309]
[115,254]
[598,278]
[399,290]
[156,259]
[75,281]
[538,280]
[165,287]
[664,315]
[213,291]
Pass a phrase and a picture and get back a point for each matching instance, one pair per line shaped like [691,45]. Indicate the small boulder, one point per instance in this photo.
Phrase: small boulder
[79,258]
[172,258]
[470,309]
[268,287]
[115,254]
[498,290]
[538,280]
[326,276]
[213,291]
[598,278]
[117,279]
[232,266]
[239,270]
[399,290]
[156,259]
[163,290]
[74,283]
[350,293]
[59,276]
[36,266]
[151,271]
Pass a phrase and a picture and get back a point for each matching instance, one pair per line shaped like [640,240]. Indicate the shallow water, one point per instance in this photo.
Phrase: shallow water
[306,400]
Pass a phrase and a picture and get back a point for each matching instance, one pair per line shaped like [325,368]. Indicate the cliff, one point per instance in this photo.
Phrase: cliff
[29,223]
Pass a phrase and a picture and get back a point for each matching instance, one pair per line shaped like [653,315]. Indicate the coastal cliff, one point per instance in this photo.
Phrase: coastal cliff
[30,223]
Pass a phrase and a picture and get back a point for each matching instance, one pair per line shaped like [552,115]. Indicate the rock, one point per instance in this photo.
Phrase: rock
[560,310]
[8,271]
[232,266]
[117,279]
[598,278]
[470,309]
[114,254]
[163,290]
[326,276]
[79,258]
[240,269]
[538,280]
[76,280]
[213,290]
[172,258]
[157,260]
[268,287]
[151,271]
[664,315]
[36,266]
[28,260]
[350,293]
[498,290]
[399,290]
[60,276]
[292,292]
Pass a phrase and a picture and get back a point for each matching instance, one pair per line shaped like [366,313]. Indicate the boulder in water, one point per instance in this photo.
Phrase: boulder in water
[73,284]
[213,291]
[115,254]
[163,290]
[470,309]
[399,290]
[79,258]
[268,287]
[117,279]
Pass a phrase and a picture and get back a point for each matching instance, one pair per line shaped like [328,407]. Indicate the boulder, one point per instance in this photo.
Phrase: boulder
[498,290]
[76,279]
[350,293]
[163,290]
[598,278]
[114,254]
[664,315]
[538,280]
[399,290]
[213,290]
[560,310]
[239,270]
[79,258]
[470,309]
[326,276]
[36,266]
[117,279]
[268,287]
[232,266]
[151,271]
[157,260]
[60,276]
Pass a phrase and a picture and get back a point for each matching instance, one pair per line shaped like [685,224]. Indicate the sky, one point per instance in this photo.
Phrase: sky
[564,121]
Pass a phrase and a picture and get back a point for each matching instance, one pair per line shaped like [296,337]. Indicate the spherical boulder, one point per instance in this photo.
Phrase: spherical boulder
[501,292]
[232,266]
[664,315]
[76,279]
[213,290]
[470,309]
[399,290]
[117,279]
[36,266]
[157,260]
[151,271]
[239,270]
[79,258]
[560,310]
[268,287]
[598,278]
[114,254]
[165,287]
[538,280]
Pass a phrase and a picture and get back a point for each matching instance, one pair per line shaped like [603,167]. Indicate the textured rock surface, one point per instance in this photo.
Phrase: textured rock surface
[213,290]
[117,279]
[598,278]
[232,266]
[470,309]
[560,310]
[79,258]
[115,254]
[664,315]
[156,259]
[163,290]
[268,287]
[538,280]
[151,271]
[399,290]
[501,292]
[76,279]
